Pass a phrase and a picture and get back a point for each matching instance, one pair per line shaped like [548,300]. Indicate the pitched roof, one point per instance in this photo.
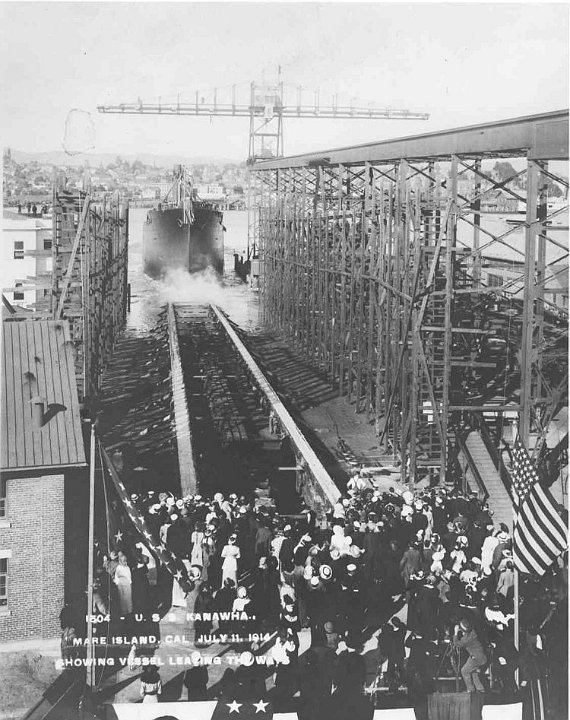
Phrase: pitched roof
[37,361]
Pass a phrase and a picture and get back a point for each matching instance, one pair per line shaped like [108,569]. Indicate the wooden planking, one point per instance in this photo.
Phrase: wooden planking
[72,416]
[59,419]
[21,355]
[12,460]
[47,391]
[60,441]
[37,440]
[4,425]
[18,400]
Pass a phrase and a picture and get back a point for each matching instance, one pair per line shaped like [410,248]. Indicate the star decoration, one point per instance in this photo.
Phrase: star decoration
[178,575]
[147,535]
[119,535]
[260,706]
[234,707]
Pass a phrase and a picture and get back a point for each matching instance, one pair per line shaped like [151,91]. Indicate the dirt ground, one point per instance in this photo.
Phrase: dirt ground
[25,676]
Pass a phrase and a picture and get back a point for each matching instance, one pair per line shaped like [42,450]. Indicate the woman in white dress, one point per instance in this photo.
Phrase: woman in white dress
[123,581]
[231,555]
[151,687]
[197,538]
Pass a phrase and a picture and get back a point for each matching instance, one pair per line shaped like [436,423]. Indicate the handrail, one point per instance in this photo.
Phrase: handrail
[472,465]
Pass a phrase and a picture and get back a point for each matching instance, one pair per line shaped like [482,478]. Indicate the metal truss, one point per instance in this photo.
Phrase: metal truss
[379,272]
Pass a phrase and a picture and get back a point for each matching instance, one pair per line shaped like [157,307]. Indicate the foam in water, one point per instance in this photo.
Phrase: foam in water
[181,286]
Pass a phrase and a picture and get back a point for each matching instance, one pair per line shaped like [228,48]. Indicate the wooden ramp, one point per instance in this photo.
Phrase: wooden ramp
[499,499]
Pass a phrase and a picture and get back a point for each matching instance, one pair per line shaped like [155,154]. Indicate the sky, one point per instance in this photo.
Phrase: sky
[464,63]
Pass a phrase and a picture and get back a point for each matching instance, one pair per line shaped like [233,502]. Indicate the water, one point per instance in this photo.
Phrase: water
[148,296]
[241,304]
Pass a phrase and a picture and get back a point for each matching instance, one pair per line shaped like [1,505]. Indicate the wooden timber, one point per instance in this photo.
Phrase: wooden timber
[89,277]
[367,270]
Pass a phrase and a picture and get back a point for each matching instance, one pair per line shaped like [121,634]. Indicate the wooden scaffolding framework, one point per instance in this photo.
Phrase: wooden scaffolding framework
[373,261]
[90,276]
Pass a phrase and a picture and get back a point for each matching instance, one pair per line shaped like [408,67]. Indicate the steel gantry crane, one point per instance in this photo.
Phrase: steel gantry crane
[266,107]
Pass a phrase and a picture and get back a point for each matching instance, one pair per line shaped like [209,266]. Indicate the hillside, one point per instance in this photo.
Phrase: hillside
[59,157]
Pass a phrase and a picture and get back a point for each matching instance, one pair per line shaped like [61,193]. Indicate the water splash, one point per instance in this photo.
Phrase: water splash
[181,286]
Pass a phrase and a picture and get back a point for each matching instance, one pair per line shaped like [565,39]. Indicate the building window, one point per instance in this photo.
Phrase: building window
[18,295]
[494,280]
[47,243]
[18,249]
[3,582]
[3,509]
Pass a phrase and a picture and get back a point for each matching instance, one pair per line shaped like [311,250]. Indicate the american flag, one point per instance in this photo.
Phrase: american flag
[173,564]
[540,535]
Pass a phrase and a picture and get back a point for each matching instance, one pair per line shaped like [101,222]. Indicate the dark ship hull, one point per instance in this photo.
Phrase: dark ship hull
[170,243]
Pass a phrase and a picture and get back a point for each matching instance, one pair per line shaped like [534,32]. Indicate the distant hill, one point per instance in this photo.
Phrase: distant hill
[59,157]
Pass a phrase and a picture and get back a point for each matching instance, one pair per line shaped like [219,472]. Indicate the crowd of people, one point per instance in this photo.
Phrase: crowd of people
[427,577]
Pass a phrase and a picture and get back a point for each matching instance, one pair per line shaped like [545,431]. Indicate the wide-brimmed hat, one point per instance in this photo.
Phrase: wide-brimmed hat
[325,571]
[195,572]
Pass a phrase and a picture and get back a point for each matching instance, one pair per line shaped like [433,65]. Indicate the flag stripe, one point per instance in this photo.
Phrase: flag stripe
[539,525]
[540,534]
[553,540]
[520,564]
[534,537]
[545,501]
[530,563]
[528,549]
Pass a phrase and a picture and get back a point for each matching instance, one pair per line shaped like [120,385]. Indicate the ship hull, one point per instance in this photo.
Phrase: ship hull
[170,244]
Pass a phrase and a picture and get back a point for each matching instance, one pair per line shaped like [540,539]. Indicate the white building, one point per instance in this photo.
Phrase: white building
[25,259]
[211,192]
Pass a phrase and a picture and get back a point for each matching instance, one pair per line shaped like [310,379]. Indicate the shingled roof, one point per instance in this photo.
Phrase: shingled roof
[38,370]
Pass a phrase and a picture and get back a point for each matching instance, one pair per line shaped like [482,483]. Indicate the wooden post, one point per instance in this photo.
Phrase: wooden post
[90,560]
[447,336]
[528,329]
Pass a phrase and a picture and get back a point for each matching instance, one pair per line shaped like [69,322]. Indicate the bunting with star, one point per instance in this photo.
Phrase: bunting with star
[243,710]
[223,709]
[173,564]
[210,710]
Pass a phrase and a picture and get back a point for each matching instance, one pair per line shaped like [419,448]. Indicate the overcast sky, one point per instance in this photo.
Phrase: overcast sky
[462,62]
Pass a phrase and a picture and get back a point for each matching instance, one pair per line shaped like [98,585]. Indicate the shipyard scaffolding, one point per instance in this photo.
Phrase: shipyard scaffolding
[90,276]
[392,267]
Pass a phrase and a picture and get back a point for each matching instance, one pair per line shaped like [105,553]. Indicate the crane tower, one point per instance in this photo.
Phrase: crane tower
[266,105]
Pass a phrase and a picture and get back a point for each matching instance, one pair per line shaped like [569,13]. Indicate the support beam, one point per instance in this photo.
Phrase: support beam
[188,477]
[313,465]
